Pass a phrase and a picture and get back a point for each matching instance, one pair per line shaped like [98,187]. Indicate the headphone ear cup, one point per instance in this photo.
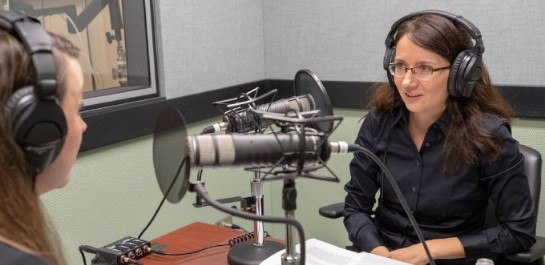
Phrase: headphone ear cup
[464,73]
[389,57]
[454,78]
[17,103]
[39,127]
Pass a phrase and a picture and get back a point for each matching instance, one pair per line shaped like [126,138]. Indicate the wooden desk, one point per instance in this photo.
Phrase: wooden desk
[193,237]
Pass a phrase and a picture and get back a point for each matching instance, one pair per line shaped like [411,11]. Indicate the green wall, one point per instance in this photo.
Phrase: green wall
[113,192]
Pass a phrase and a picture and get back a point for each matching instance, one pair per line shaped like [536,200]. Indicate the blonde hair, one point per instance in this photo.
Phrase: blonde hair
[23,224]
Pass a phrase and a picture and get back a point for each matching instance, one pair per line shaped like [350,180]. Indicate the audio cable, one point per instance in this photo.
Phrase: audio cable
[232,242]
[405,206]
[164,198]
[159,252]
[88,249]
[241,239]
[166,194]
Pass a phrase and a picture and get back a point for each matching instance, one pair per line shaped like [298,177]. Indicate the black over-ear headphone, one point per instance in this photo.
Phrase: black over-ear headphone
[466,68]
[37,120]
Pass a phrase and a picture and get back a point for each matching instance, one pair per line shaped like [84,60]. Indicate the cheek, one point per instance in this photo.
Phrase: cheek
[438,86]
[397,82]
[442,90]
[439,93]
[74,135]
[73,138]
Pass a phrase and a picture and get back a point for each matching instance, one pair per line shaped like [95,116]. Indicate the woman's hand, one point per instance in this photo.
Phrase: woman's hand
[414,254]
[446,248]
[381,251]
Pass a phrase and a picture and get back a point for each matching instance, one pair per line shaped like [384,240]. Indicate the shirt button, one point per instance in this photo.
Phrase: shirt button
[427,144]
[414,189]
[417,164]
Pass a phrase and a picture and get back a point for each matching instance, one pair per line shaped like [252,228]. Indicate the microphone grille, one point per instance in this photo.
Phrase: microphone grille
[302,103]
[211,150]
[206,149]
[225,149]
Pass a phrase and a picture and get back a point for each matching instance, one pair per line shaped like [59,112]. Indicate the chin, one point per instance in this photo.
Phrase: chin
[414,109]
[46,183]
[64,181]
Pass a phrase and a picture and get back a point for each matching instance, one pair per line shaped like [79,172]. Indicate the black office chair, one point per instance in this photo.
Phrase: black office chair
[532,164]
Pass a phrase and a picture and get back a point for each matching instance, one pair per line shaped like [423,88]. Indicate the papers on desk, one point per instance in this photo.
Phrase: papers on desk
[322,253]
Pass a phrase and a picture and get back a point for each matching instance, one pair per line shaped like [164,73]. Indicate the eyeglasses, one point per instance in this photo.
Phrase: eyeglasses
[422,72]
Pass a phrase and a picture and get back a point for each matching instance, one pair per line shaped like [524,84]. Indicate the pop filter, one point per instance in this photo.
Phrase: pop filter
[306,82]
[169,147]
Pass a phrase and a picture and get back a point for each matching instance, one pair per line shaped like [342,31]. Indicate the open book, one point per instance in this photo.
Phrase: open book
[322,253]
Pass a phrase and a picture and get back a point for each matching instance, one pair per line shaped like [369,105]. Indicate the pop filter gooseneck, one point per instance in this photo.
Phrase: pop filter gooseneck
[306,82]
[169,145]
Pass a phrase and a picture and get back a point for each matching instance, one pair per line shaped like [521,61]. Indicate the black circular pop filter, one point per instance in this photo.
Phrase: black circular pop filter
[169,151]
[306,82]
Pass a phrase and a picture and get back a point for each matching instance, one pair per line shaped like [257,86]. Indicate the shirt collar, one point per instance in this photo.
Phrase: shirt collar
[402,114]
[443,122]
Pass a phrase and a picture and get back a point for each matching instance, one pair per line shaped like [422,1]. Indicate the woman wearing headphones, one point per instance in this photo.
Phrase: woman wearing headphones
[443,130]
[26,237]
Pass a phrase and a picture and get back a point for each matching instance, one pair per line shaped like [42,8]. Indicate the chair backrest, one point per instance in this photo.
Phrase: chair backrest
[532,169]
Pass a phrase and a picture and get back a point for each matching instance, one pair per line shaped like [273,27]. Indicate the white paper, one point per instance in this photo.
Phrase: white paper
[322,253]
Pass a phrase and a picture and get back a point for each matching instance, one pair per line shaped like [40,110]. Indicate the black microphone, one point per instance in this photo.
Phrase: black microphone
[310,95]
[261,150]
[244,120]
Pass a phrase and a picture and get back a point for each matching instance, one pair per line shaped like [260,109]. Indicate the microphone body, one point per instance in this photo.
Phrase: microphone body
[243,121]
[257,150]
[300,103]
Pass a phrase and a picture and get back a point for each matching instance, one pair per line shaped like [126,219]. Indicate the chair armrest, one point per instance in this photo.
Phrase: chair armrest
[536,252]
[332,211]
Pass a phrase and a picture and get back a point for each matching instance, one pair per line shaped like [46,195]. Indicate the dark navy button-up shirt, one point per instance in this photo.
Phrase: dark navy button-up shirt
[444,205]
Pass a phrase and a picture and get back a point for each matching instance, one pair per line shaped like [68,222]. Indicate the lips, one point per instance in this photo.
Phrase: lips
[412,95]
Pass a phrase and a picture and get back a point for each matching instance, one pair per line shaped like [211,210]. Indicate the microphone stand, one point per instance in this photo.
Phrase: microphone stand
[253,253]
[289,197]
[257,192]
[199,189]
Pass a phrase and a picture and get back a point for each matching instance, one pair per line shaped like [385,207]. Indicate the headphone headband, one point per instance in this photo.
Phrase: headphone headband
[38,44]
[467,67]
[473,31]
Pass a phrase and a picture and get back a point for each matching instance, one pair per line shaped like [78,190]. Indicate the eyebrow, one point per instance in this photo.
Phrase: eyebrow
[423,62]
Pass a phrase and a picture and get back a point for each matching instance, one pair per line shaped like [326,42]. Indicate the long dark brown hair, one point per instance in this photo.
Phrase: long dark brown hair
[22,221]
[468,141]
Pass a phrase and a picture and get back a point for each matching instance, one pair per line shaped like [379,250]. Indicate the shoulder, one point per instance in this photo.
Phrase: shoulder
[378,119]
[376,115]
[13,256]
[496,125]
[375,127]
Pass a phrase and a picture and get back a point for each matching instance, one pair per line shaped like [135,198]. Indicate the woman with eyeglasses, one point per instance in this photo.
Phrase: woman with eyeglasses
[443,131]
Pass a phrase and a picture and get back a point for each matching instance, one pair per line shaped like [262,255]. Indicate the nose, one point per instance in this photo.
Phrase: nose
[408,80]
[83,125]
